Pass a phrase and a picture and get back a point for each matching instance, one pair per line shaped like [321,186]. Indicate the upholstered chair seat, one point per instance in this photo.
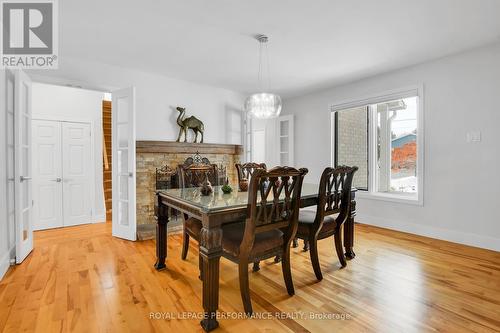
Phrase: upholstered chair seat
[264,242]
[306,222]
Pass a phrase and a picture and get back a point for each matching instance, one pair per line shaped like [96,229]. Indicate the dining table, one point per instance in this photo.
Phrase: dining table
[213,211]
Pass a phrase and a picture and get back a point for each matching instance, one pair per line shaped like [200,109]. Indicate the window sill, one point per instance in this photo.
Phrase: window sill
[391,197]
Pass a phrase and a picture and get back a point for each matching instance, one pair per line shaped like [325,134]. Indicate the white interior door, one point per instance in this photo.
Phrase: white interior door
[76,173]
[47,175]
[123,147]
[23,167]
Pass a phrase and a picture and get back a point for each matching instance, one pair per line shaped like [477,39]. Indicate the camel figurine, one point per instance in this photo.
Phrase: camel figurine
[189,123]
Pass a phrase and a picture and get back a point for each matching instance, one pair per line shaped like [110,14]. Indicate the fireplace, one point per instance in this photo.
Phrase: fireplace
[167,156]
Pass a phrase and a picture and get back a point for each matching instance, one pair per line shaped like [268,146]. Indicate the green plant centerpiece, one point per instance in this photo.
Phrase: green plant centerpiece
[226,188]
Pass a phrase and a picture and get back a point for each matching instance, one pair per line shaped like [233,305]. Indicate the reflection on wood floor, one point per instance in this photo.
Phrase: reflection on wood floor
[80,279]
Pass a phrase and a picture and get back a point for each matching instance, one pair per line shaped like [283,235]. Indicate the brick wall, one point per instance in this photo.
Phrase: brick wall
[146,167]
[352,143]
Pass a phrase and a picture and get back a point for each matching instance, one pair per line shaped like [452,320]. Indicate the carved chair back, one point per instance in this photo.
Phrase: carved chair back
[273,203]
[246,170]
[334,195]
[193,174]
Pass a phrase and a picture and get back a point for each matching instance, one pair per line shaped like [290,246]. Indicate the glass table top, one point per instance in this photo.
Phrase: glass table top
[218,200]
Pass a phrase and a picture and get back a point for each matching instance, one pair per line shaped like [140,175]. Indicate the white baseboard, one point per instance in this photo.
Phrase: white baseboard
[480,241]
[5,263]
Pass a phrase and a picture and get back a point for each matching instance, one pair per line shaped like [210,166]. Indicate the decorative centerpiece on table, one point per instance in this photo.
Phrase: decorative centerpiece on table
[206,186]
[226,188]
[243,184]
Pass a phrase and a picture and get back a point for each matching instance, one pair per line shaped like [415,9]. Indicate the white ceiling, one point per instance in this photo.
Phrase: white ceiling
[313,44]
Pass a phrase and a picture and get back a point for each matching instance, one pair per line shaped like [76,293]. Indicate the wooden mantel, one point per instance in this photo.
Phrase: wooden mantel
[173,147]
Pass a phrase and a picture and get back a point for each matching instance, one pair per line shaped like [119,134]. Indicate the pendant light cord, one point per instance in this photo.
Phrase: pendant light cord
[263,48]
[259,78]
[268,71]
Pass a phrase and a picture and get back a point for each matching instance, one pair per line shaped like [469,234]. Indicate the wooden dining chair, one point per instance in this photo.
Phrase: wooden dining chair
[245,171]
[273,210]
[193,175]
[334,204]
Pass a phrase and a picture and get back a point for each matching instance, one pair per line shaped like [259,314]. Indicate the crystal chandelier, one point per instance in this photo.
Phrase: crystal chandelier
[263,105]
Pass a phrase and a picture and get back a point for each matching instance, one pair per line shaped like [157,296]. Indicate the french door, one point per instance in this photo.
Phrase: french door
[22,166]
[123,149]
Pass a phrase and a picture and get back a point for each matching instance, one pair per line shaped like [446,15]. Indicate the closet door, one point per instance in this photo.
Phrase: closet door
[47,172]
[76,167]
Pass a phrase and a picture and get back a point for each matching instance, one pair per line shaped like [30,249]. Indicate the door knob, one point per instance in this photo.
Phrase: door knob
[57,180]
[23,178]
[131,174]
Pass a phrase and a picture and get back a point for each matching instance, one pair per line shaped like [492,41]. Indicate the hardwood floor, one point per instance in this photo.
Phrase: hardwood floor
[80,279]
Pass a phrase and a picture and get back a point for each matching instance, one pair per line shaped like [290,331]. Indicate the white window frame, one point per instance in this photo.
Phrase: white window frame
[372,193]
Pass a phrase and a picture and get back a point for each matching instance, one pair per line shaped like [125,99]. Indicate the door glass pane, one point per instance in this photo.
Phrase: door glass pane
[10,94]
[284,145]
[123,135]
[10,128]
[10,162]
[26,131]
[122,110]
[351,141]
[124,187]
[284,127]
[123,161]
[25,162]
[123,213]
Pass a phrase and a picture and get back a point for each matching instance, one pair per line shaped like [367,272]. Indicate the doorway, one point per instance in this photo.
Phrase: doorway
[27,101]
[107,158]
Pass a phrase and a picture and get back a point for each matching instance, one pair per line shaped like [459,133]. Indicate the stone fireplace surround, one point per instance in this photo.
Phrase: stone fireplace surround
[151,155]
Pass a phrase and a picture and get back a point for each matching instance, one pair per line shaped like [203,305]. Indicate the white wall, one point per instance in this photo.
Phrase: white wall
[73,104]
[462,182]
[157,96]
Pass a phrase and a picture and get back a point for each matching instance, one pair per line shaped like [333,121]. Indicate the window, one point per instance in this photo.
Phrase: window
[382,136]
